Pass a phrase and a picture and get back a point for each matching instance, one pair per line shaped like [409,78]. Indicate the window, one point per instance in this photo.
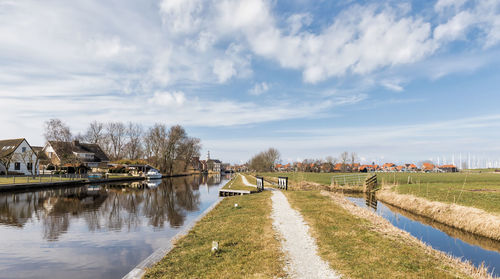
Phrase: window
[17,166]
[23,149]
[29,166]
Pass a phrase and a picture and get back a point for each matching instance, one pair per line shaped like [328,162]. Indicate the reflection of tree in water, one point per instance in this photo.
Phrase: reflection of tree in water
[186,197]
[112,207]
[161,206]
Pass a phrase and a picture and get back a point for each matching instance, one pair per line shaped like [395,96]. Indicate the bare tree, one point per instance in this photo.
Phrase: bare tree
[133,147]
[56,130]
[189,149]
[116,134]
[344,157]
[264,161]
[176,136]
[95,133]
[353,160]
[155,145]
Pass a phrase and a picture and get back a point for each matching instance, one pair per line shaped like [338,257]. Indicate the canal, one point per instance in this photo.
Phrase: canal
[96,231]
[457,243]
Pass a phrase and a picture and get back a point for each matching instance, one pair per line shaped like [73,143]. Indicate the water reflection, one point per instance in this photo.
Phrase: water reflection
[114,207]
[96,231]
[458,243]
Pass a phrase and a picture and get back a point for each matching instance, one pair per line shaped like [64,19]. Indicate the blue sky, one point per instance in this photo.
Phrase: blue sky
[391,81]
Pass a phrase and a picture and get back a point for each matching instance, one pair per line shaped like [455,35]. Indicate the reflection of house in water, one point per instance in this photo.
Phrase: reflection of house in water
[105,207]
[53,207]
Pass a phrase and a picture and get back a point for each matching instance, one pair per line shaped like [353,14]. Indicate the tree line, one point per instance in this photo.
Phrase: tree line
[168,149]
[267,160]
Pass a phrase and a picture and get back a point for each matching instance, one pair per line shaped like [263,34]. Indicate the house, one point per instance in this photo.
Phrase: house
[448,168]
[214,165]
[75,154]
[428,167]
[18,157]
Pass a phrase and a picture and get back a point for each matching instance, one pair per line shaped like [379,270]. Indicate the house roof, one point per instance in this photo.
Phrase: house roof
[62,148]
[448,166]
[8,146]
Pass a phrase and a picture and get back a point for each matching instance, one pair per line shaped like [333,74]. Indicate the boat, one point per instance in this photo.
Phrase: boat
[153,183]
[153,174]
[94,175]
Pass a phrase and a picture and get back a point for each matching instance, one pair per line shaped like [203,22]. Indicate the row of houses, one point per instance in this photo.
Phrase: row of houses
[17,156]
[356,167]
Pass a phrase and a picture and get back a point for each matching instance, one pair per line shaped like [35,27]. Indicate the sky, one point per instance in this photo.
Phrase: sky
[400,81]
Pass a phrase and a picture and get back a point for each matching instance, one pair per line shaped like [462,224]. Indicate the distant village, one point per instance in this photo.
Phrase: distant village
[356,167]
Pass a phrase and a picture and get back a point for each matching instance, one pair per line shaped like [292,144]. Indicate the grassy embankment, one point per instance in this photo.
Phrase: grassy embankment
[248,247]
[479,190]
[466,201]
[359,248]
[236,183]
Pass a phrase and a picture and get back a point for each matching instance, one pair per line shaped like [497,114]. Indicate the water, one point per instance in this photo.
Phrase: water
[455,242]
[96,231]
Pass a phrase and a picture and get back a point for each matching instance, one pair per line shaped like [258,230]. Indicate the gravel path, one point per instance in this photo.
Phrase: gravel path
[302,260]
[245,181]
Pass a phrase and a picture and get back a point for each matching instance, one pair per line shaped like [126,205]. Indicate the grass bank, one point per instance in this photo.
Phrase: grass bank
[367,246]
[247,243]
[479,190]
[466,218]
[236,183]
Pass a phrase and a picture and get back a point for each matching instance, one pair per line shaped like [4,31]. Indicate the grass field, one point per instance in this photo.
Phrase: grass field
[480,190]
[248,248]
[352,247]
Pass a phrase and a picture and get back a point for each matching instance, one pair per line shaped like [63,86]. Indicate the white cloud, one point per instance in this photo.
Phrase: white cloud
[224,69]
[175,99]
[233,63]
[296,22]
[181,16]
[393,85]
[259,88]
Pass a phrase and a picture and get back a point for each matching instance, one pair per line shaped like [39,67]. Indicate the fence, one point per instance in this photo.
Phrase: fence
[349,180]
[19,179]
[283,183]
[260,183]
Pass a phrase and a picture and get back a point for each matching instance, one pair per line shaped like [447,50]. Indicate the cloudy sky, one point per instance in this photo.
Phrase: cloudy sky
[393,80]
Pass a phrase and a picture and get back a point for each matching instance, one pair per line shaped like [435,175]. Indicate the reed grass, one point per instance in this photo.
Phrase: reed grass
[466,218]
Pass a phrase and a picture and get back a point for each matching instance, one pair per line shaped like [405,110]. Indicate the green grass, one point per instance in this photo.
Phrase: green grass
[247,245]
[350,245]
[237,184]
[24,180]
[480,190]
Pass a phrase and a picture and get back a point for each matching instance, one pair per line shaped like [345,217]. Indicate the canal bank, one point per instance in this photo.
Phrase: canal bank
[465,218]
[472,248]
